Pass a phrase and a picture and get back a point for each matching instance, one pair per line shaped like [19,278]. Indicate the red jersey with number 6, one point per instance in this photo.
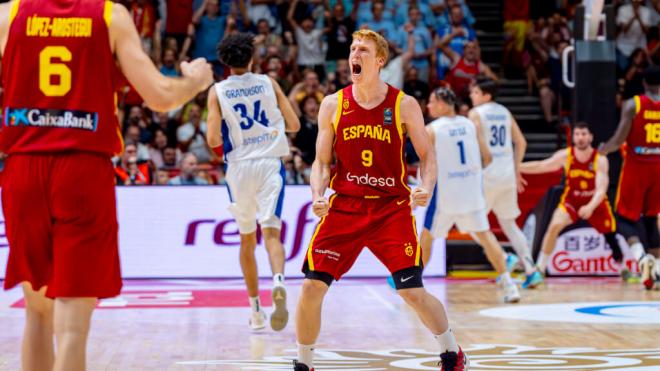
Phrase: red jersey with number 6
[643,141]
[369,145]
[58,75]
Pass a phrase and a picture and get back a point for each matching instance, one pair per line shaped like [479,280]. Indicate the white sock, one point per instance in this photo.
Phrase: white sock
[306,355]
[638,250]
[519,243]
[447,341]
[505,278]
[278,279]
[255,304]
[543,261]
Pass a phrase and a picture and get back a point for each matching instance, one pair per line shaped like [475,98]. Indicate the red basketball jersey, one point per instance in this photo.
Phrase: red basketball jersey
[59,79]
[580,183]
[369,146]
[643,142]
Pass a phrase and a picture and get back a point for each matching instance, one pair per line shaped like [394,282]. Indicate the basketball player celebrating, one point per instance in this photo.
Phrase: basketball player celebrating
[639,182]
[366,124]
[585,192]
[60,131]
[249,115]
[507,145]
[459,197]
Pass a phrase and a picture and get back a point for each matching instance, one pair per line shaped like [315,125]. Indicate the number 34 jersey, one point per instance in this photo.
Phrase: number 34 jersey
[496,130]
[252,123]
[58,75]
[369,146]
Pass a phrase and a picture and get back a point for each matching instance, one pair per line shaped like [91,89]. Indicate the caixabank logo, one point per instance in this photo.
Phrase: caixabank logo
[482,357]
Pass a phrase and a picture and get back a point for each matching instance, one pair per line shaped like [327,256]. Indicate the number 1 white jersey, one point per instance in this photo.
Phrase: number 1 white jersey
[460,183]
[252,123]
[496,129]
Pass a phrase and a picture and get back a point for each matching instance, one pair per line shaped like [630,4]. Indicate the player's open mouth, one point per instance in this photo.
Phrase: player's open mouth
[357,69]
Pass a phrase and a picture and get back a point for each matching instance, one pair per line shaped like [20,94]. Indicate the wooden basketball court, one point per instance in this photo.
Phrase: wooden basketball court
[569,324]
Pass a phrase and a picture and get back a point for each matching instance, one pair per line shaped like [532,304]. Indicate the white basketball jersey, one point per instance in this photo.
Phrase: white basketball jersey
[460,184]
[496,130]
[252,124]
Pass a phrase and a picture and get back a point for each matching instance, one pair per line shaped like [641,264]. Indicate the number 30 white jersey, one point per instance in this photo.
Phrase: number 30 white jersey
[460,183]
[496,130]
[252,123]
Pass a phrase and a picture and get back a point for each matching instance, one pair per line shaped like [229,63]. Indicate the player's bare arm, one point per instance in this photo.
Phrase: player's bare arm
[161,93]
[628,112]
[412,118]
[550,164]
[519,148]
[320,176]
[291,120]
[213,120]
[486,156]
[602,182]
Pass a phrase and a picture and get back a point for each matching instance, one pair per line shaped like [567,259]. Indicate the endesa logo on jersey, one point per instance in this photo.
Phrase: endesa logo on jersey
[366,179]
[51,118]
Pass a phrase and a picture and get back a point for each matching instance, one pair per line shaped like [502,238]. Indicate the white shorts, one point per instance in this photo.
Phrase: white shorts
[256,190]
[502,200]
[474,221]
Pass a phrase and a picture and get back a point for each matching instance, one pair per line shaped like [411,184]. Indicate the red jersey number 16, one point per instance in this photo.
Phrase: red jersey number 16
[49,69]
[652,133]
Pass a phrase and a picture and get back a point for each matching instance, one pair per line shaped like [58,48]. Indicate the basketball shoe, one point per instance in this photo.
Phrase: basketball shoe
[452,361]
[300,366]
[532,280]
[258,320]
[647,268]
[280,316]
[511,262]
[511,294]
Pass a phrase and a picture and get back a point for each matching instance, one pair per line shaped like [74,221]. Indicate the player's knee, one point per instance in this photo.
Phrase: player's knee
[413,297]
[271,233]
[40,310]
[313,290]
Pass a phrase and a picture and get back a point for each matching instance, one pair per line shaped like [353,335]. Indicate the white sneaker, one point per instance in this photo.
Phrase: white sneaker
[647,269]
[258,320]
[280,316]
[511,294]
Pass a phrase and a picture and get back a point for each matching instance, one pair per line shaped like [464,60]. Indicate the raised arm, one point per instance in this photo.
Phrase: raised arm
[550,164]
[486,157]
[628,112]
[320,176]
[412,118]
[161,93]
[291,121]
[289,15]
[213,119]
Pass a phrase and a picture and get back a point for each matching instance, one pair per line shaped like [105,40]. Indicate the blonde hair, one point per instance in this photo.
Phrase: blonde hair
[382,47]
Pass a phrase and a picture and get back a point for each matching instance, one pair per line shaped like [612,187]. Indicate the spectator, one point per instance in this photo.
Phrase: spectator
[632,83]
[380,23]
[171,158]
[144,16]
[162,177]
[423,43]
[465,69]
[654,45]
[191,136]
[342,76]
[516,26]
[416,88]
[305,139]
[310,43]
[266,39]
[442,8]
[275,68]
[633,21]
[535,61]
[208,28]
[188,175]
[180,13]
[309,86]
[169,65]
[260,11]
[163,122]
[339,31]
[399,61]
[133,134]
[402,13]
[156,148]
[455,36]
[130,171]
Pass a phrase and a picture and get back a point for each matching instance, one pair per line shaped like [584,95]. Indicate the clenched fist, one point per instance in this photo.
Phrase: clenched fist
[320,207]
[420,197]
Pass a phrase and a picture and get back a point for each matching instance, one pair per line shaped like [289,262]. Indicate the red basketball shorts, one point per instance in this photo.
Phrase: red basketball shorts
[385,226]
[61,224]
[602,218]
[639,189]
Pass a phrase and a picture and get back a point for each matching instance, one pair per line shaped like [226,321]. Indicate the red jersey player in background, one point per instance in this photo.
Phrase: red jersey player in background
[60,131]
[638,194]
[365,125]
[585,192]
